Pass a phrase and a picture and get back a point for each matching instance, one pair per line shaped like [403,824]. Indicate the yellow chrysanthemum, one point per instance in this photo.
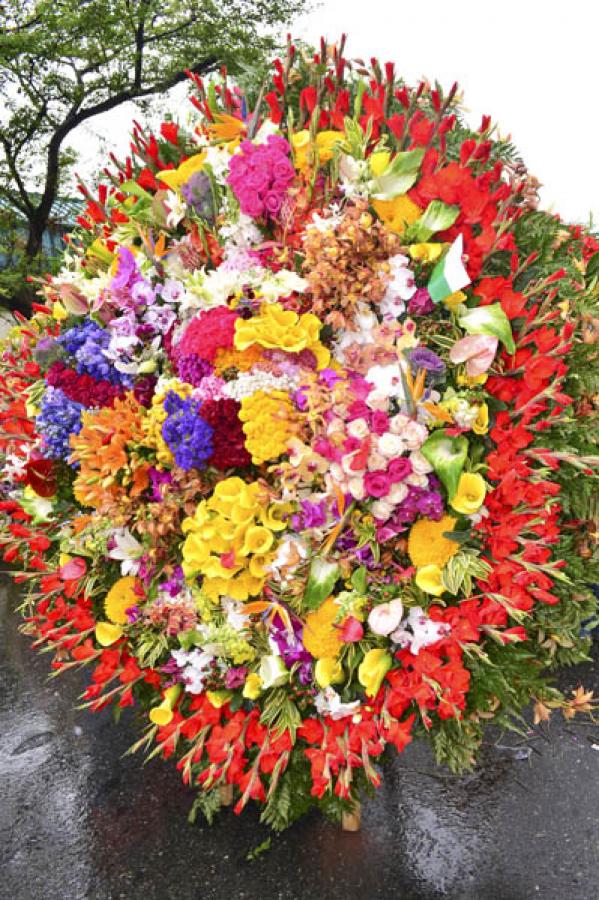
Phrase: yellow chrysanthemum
[269,422]
[321,636]
[119,598]
[426,544]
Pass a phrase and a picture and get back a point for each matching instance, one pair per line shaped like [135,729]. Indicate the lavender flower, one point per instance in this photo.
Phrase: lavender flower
[421,358]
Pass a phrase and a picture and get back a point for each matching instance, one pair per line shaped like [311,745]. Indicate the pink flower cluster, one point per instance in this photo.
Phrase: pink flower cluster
[207,332]
[372,454]
[260,176]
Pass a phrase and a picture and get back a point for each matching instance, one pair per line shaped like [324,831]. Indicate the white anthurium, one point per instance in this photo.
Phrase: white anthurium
[273,672]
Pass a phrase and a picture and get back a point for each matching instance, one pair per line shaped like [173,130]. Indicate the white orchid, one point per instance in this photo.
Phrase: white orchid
[127,549]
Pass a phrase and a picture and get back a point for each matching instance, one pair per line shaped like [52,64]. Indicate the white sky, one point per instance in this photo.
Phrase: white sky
[530,64]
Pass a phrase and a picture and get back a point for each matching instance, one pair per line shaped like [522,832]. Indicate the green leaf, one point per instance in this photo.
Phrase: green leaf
[447,456]
[323,575]
[132,187]
[437,217]
[489,320]
[399,176]
[358,580]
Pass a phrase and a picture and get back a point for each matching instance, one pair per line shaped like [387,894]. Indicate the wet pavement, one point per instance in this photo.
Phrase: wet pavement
[77,820]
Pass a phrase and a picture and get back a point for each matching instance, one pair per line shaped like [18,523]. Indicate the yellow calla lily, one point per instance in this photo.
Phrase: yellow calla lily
[481,423]
[470,494]
[426,253]
[176,178]
[252,687]
[107,633]
[429,580]
[373,669]
[219,698]
[163,714]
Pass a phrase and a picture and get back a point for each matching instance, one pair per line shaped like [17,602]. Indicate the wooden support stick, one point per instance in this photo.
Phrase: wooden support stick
[226,794]
[351,821]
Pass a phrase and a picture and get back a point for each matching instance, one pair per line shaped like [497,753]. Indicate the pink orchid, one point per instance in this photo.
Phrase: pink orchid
[477,351]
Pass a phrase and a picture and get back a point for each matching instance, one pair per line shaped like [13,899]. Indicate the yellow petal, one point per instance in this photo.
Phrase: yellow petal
[429,580]
[107,633]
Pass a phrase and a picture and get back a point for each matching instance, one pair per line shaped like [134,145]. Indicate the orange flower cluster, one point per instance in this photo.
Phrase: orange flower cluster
[348,263]
[107,470]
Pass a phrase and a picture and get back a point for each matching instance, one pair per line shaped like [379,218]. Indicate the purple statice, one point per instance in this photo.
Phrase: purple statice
[197,193]
[58,420]
[291,648]
[422,358]
[187,435]
[88,344]
[192,368]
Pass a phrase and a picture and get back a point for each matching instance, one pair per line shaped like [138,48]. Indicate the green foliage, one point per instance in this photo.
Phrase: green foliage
[206,802]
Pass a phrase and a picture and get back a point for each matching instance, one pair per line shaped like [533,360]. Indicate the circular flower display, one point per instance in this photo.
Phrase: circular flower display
[282,447]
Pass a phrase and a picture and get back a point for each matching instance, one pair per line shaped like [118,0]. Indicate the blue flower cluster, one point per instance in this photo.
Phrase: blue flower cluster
[87,343]
[58,420]
[187,435]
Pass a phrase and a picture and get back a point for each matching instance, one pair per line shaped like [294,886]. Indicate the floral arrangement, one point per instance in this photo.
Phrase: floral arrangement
[285,443]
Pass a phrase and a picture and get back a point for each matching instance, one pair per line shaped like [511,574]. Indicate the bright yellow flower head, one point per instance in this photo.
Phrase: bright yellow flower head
[269,421]
[398,213]
[252,687]
[119,598]
[328,670]
[454,300]
[470,494]
[321,636]
[430,580]
[481,423]
[176,178]
[426,253]
[426,544]
[373,669]
[277,328]
[306,153]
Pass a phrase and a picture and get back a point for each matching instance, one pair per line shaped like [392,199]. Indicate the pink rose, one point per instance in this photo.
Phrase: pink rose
[377,483]
[379,422]
[273,202]
[251,203]
[399,468]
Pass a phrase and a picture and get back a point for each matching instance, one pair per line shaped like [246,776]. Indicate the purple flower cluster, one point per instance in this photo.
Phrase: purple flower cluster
[312,515]
[58,420]
[260,176]
[187,435]
[420,502]
[422,358]
[291,648]
[197,193]
[87,343]
[192,368]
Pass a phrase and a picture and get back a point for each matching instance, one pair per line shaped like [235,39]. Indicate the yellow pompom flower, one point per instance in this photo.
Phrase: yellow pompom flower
[119,598]
[269,421]
[373,669]
[430,580]
[321,636]
[427,545]
[470,494]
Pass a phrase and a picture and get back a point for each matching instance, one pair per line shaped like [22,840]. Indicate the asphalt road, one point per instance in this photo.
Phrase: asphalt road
[77,820]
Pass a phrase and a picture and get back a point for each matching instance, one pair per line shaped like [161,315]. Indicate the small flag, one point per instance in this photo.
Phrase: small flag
[449,275]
